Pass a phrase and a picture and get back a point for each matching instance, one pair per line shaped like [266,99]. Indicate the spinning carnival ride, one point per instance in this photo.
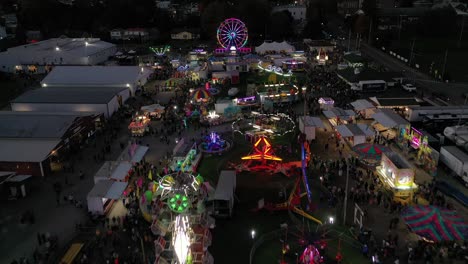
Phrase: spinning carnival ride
[232,35]
[214,144]
[180,220]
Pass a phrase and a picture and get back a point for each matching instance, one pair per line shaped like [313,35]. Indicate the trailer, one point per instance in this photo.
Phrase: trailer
[456,160]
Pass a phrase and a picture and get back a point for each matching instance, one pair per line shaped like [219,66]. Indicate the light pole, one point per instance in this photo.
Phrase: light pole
[345,207]
[463,110]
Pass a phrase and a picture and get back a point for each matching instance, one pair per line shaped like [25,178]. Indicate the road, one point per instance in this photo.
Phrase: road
[453,90]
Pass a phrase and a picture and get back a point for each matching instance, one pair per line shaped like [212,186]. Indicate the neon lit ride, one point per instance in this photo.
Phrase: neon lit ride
[232,35]
[311,255]
[213,143]
[262,157]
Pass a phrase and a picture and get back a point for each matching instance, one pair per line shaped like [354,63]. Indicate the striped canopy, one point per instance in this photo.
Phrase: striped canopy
[435,223]
[201,95]
[369,150]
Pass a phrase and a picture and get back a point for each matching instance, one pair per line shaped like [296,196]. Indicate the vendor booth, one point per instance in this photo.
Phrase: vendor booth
[308,125]
[326,103]
[104,193]
[139,126]
[133,153]
[337,116]
[18,185]
[154,111]
[388,123]
[364,108]
[397,174]
[114,170]
[355,134]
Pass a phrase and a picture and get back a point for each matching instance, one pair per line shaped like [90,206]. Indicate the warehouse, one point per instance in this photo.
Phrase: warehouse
[33,143]
[131,77]
[103,100]
[37,57]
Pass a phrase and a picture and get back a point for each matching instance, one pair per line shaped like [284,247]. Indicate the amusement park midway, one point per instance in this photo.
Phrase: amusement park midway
[237,154]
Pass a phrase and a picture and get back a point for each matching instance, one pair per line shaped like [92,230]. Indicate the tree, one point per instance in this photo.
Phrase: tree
[281,26]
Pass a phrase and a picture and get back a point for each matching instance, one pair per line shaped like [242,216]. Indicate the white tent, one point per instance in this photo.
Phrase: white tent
[223,198]
[308,124]
[104,192]
[355,133]
[154,109]
[390,119]
[113,170]
[364,107]
[133,153]
[274,47]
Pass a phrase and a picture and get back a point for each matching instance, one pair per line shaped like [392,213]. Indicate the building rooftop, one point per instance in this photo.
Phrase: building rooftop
[397,102]
[70,95]
[94,75]
[34,125]
[56,50]
[26,150]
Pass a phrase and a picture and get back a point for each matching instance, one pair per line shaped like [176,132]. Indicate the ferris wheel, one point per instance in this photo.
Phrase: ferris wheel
[232,34]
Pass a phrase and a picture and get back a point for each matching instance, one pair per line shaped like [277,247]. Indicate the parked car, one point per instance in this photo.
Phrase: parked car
[409,87]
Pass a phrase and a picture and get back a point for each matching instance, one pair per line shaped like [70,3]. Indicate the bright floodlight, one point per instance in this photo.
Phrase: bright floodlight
[232,48]
[331,220]
[86,43]
[128,85]
[252,233]
[181,239]
[57,48]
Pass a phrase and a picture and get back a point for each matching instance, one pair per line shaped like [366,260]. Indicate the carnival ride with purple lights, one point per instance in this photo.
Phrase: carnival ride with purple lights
[213,143]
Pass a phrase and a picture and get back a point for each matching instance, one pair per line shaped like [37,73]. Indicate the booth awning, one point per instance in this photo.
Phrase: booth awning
[362,104]
[121,171]
[340,113]
[389,119]
[351,130]
[108,189]
[344,131]
[139,153]
[313,121]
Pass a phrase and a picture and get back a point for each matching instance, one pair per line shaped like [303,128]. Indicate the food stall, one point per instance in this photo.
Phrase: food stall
[154,111]
[337,116]
[397,174]
[326,103]
[355,134]
[139,126]
[103,195]
[308,125]
[364,108]
[114,170]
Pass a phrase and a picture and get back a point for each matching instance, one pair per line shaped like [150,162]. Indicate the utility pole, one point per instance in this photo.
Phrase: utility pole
[370,31]
[411,54]
[399,26]
[461,31]
[445,63]
[345,207]
[349,39]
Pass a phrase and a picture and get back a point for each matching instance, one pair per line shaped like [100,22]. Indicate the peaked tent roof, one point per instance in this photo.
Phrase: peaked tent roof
[274,46]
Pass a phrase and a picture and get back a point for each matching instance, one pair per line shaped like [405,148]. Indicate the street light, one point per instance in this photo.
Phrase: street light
[331,220]
[252,234]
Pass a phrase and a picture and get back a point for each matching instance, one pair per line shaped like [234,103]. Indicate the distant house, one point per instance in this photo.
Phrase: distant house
[116,34]
[298,12]
[185,34]
[129,33]
[347,7]
[3,33]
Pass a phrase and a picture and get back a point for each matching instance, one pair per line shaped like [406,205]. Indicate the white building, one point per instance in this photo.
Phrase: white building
[131,77]
[185,34]
[103,100]
[298,12]
[56,51]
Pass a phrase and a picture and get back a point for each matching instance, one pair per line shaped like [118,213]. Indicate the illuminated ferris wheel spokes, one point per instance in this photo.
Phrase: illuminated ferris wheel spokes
[232,33]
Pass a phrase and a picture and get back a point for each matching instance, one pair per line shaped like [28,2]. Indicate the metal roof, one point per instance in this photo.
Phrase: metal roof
[93,75]
[70,95]
[26,150]
[33,125]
